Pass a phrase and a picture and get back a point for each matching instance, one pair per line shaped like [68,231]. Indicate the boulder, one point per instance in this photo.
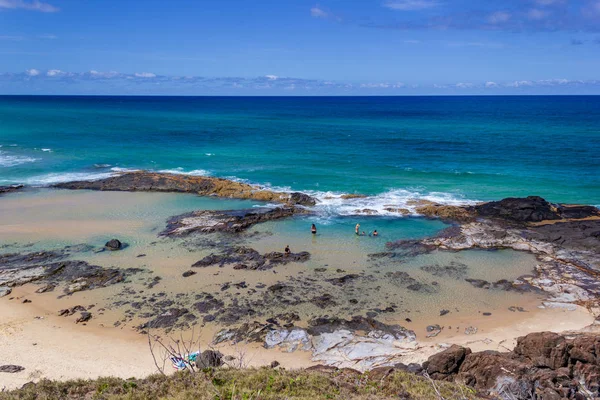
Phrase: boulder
[84,317]
[209,359]
[445,365]
[543,350]
[113,245]
[484,370]
[529,209]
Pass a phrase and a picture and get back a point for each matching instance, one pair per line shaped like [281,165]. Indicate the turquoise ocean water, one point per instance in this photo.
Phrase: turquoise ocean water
[448,149]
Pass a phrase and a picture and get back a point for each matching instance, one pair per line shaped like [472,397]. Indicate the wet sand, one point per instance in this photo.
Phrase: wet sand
[48,219]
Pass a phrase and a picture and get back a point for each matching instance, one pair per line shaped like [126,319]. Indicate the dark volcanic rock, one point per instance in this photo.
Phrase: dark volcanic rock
[113,245]
[202,185]
[532,209]
[247,258]
[323,301]
[454,270]
[582,235]
[188,274]
[229,221]
[11,369]
[167,319]
[50,268]
[85,317]
[342,280]
[10,189]
[208,304]
[209,359]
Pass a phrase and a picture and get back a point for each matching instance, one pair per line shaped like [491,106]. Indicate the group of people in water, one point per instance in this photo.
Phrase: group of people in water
[313,230]
[363,233]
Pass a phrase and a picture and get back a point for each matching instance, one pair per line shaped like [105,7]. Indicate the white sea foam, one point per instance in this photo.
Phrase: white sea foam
[11,160]
[331,204]
[50,179]
[384,204]
[47,150]
[181,171]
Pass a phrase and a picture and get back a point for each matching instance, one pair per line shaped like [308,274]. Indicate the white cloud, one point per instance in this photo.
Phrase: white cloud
[55,72]
[272,77]
[32,72]
[517,84]
[382,85]
[490,84]
[144,75]
[410,5]
[462,85]
[318,12]
[34,5]
[97,74]
[499,17]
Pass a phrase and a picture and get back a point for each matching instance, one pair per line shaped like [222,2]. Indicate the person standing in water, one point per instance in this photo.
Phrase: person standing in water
[313,229]
[375,233]
[357,229]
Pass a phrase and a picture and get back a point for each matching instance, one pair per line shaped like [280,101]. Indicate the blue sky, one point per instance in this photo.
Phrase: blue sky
[299,47]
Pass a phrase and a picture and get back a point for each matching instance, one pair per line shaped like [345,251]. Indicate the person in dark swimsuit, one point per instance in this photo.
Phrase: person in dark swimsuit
[313,229]
[287,250]
[375,233]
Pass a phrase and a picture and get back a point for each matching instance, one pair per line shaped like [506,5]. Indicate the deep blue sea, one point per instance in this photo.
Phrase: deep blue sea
[450,149]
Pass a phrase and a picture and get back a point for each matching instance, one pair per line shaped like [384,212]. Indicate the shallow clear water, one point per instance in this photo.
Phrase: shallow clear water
[44,219]
[444,148]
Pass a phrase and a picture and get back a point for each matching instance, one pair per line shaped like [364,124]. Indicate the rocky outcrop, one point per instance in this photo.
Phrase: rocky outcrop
[543,365]
[247,258]
[532,209]
[229,221]
[10,189]
[565,240]
[51,269]
[142,181]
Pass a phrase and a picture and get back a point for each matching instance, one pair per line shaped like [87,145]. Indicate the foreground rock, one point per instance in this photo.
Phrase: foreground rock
[230,221]
[160,182]
[543,365]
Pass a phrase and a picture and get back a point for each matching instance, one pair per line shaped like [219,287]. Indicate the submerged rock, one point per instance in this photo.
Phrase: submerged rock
[10,189]
[247,258]
[113,245]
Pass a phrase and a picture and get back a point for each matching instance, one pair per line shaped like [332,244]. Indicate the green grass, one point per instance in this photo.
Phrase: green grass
[248,384]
